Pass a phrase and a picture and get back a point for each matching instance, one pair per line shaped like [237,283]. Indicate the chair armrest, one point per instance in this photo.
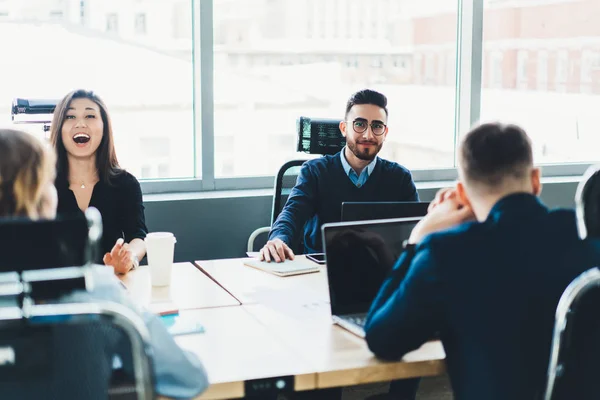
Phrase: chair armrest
[254,235]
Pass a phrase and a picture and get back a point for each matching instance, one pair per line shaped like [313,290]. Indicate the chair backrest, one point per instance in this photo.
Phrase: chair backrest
[70,241]
[284,183]
[573,368]
[587,203]
[315,136]
[74,351]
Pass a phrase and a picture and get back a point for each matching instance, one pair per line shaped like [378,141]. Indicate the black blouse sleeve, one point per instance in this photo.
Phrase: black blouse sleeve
[134,221]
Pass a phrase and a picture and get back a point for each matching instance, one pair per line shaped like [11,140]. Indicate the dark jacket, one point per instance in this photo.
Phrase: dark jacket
[490,290]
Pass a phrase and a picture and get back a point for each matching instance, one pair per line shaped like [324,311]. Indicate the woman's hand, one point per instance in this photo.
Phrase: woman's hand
[120,257]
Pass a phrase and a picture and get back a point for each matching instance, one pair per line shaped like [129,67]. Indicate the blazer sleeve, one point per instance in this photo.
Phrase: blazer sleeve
[134,220]
[407,311]
[300,206]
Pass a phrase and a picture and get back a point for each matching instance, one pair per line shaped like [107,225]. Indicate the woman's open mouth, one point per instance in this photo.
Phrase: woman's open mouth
[81,138]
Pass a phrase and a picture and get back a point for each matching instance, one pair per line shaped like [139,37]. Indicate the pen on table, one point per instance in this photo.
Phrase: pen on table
[169,313]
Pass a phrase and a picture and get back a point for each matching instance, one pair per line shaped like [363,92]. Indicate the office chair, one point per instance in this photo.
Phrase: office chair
[284,183]
[587,203]
[575,348]
[314,136]
[68,351]
[65,350]
[573,370]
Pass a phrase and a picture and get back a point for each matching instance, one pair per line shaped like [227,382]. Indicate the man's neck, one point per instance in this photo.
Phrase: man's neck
[356,163]
[83,169]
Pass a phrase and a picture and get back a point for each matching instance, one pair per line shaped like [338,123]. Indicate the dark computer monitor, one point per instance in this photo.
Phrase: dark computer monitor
[359,256]
[30,245]
[368,210]
[33,106]
[319,136]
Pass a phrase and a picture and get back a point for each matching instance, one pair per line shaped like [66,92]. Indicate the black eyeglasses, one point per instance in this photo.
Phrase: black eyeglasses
[361,125]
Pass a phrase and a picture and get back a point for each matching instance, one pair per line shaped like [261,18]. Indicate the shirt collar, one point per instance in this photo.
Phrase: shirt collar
[369,168]
[517,204]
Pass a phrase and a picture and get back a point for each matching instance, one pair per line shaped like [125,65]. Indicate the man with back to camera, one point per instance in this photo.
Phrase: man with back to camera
[353,174]
[484,270]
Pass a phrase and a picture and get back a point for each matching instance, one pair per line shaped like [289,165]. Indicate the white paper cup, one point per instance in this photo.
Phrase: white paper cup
[160,249]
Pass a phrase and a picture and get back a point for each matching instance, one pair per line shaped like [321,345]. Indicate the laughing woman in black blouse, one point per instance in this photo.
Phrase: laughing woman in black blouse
[88,174]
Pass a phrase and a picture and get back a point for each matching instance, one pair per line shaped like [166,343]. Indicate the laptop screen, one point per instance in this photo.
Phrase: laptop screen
[359,257]
[367,210]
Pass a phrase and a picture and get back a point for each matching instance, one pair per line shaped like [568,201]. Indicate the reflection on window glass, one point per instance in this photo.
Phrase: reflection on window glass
[496,58]
[140,23]
[562,71]
[112,23]
[135,54]
[542,70]
[522,77]
[306,57]
[544,74]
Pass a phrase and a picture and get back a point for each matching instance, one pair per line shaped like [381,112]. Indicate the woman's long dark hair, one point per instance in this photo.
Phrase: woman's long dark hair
[106,157]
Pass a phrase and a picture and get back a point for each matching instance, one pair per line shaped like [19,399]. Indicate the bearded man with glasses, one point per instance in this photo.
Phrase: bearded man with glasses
[353,174]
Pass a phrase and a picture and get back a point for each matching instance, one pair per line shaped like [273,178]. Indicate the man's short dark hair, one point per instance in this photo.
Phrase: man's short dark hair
[492,152]
[367,96]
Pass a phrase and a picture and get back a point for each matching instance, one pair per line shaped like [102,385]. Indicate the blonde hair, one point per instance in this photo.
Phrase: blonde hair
[26,165]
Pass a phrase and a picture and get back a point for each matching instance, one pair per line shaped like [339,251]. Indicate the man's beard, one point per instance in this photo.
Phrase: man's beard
[366,154]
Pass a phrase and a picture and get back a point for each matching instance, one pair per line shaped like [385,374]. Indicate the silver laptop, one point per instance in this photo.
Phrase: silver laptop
[359,257]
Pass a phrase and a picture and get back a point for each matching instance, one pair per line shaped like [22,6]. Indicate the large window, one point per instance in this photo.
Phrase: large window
[551,74]
[206,93]
[275,61]
[145,79]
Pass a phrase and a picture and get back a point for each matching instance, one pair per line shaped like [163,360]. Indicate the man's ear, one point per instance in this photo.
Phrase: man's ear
[461,193]
[536,181]
[385,133]
[343,128]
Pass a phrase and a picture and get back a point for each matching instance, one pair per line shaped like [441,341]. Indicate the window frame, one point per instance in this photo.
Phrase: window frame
[468,83]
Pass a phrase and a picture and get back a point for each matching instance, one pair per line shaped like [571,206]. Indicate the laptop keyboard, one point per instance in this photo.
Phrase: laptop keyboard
[357,319]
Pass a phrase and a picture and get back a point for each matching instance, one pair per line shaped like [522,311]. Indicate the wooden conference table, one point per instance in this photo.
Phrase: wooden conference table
[261,329]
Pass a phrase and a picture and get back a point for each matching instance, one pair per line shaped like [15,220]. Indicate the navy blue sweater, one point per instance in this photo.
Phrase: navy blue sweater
[321,188]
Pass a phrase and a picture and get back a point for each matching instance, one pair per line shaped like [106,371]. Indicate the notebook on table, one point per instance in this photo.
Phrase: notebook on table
[178,324]
[359,257]
[299,265]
